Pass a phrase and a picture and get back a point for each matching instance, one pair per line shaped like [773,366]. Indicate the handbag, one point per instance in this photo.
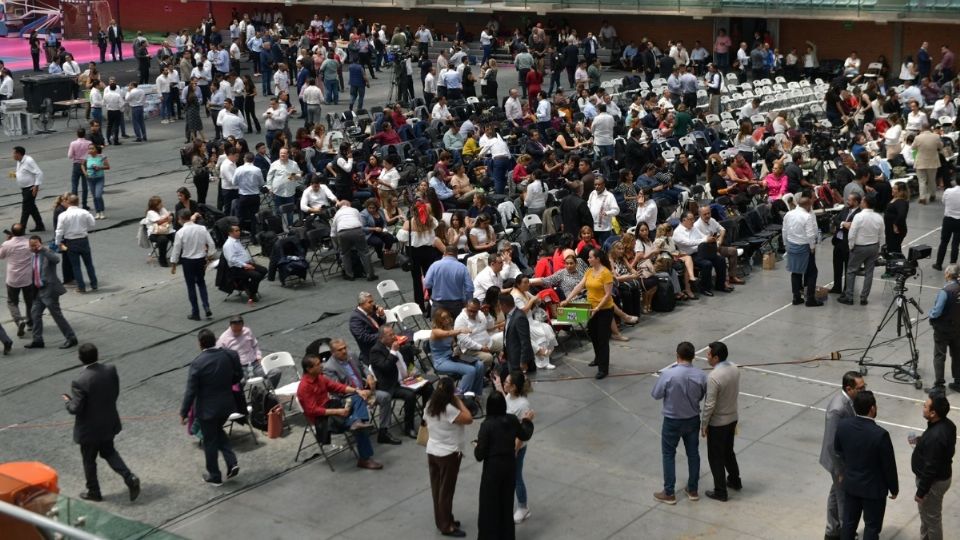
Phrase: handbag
[389,259]
[423,434]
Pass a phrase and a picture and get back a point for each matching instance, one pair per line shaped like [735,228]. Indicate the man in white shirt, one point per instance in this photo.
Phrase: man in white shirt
[29,177]
[488,277]
[274,119]
[950,227]
[486,43]
[242,269]
[707,226]
[113,103]
[317,197]
[865,238]
[347,228]
[192,246]
[603,206]
[479,344]
[749,109]
[513,107]
[312,97]
[440,110]
[283,177]
[163,87]
[430,87]
[230,121]
[135,99]
[96,102]
[801,236]
[689,240]
[73,227]
[248,179]
[602,128]
[228,190]
[492,145]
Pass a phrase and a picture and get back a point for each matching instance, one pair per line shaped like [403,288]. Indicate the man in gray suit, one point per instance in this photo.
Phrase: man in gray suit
[49,291]
[343,368]
[840,407]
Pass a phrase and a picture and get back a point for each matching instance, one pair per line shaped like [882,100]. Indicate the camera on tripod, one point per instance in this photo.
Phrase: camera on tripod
[902,268]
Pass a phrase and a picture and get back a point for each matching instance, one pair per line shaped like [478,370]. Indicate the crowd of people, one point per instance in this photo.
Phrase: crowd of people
[616,200]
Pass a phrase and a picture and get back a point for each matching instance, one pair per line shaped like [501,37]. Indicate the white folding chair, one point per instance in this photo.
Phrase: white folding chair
[476,263]
[326,450]
[533,223]
[389,287]
[280,360]
[409,310]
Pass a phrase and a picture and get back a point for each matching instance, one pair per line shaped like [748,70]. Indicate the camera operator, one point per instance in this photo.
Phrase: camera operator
[945,319]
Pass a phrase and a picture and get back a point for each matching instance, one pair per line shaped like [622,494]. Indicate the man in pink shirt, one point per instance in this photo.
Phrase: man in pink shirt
[16,251]
[721,50]
[240,339]
[946,65]
[77,153]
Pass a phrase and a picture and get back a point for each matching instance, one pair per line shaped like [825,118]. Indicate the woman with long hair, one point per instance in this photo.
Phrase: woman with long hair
[488,76]
[598,282]
[249,105]
[159,227]
[513,388]
[199,166]
[445,416]
[184,202]
[194,124]
[375,227]
[482,237]
[92,170]
[895,219]
[442,336]
[496,448]
[425,247]
[675,263]
[542,336]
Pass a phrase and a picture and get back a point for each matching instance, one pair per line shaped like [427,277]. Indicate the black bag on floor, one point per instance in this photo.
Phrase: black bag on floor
[665,300]
[261,402]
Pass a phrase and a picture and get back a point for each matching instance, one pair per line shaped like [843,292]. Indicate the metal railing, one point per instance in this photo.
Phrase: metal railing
[45,523]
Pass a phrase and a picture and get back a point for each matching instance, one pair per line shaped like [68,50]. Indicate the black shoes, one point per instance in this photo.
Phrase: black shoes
[41,228]
[717,496]
[134,485]
[813,303]
[863,301]
[373,277]
[6,347]
[797,300]
[193,317]
[412,433]
[706,293]
[734,485]
[953,386]
[211,480]
[384,437]
[592,364]
[72,342]
[456,533]
[600,375]
[938,267]
[34,345]
[845,300]
[836,291]
[235,470]
[91,496]
[207,312]
[21,328]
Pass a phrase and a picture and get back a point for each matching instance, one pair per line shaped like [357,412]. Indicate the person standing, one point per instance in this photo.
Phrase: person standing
[945,319]
[927,146]
[449,283]
[73,227]
[598,282]
[869,468]
[192,247]
[841,247]
[801,234]
[115,35]
[718,421]
[49,291]
[931,463]
[950,228]
[93,402]
[248,179]
[358,85]
[497,448]
[135,100]
[517,345]
[92,170]
[681,387]
[210,381]
[445,416]
[865,239]
[513,389]
[29,177]
[77,154]
[604,208]
[839,408]
[16,251]
[113,103]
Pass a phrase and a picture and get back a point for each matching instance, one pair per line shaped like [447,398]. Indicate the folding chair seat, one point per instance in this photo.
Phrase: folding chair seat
[325,258]
[388,289]
[327,450]
[410,311]
[276,361]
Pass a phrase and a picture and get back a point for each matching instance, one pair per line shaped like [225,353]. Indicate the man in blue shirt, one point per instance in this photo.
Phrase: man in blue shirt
[449,282]
[255,45]
[444,193]
[242,269]
[358,84]
[945,319]
[681,387]
[266,69]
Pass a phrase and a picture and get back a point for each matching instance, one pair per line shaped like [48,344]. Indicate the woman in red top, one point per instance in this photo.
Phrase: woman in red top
[587,242]
[534,82]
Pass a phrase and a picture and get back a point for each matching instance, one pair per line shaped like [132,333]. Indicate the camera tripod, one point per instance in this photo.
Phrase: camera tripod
[898,309]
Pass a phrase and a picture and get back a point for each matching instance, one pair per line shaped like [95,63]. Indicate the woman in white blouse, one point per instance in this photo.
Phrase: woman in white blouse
[892,137]
[159,222]
[445,417]
[542,336]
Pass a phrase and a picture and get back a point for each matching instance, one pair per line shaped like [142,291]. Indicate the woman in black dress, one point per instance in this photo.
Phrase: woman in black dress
[35,50]
[496,448]
[895,219]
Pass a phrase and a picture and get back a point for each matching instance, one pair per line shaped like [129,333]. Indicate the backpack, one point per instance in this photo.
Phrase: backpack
[665,299]
[261,401]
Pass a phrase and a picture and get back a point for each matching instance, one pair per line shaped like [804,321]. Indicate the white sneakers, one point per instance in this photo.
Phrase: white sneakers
[521,515]
[100,215]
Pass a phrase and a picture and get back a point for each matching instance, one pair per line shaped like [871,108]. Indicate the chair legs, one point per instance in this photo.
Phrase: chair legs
[324,451]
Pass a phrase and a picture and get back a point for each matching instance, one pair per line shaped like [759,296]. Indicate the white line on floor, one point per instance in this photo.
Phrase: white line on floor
[775,400]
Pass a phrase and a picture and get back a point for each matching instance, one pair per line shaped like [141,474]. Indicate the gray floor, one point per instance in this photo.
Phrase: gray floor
[595,459]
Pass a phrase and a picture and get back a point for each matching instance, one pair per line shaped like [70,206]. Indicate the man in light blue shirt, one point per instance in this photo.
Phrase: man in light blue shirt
[454,84]
[681,387]
[242,270]
[449,282]
[444,193]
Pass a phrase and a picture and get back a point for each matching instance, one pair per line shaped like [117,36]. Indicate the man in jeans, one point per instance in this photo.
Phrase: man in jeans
[681,387]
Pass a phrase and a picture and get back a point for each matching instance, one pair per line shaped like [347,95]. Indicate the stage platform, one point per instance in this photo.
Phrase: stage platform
[15,53]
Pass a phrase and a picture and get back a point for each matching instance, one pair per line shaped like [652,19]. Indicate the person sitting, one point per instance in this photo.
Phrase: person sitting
[443,191]
[386,137]
[741,173]
[482,236]
[375,228]
[709,227]
[317,197]
[479,344]
[488,277]
[479,207]
[510,268]
[441,348]
[242,268]
[679,264]
[586,243]
[689,240]
[159,223]
[390,369]
[456,234]
[326,414]
[542,336]
[342,367]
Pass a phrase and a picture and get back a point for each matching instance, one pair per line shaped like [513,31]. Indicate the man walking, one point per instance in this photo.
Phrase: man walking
[77,154]
[801,235]
[945,319]
[16,251]
[49,291]
[869,469]
[865,239]
[29,177]
[950,228]
[192,248]
[73,227]
[718,421]
[681,387]
[839,408]
[931,463]
[93,401]
[210,394]
[449,283]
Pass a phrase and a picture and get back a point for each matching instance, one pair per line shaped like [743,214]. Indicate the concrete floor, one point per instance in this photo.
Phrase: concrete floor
[594,461]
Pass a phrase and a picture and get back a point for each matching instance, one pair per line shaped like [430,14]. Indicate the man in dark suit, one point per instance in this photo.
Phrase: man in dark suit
[49,290]
[93,401]
[213,373]
[385,359]
[517,348]
[840,407]
[343,368]
[574,211]
[365,322]
[115,35]
[869,468]
[841,247]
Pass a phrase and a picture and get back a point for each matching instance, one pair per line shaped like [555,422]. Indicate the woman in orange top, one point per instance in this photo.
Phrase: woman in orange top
[598,281]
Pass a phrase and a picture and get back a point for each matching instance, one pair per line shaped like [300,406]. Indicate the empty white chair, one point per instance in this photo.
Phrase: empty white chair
[279,360]
[408,311]
[388,288]
[477,263]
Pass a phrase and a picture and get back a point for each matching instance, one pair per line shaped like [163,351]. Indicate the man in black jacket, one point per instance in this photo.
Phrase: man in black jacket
[210,393]
[574,212]
[365,322]
[517,348]
[93,401]
[841,246]
[637,156]
[869,468]
[385,359]
[571,59]
[931,463]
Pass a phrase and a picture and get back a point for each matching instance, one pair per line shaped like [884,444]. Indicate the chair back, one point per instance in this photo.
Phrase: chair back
[388,287]
[407,311]
[277,360]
